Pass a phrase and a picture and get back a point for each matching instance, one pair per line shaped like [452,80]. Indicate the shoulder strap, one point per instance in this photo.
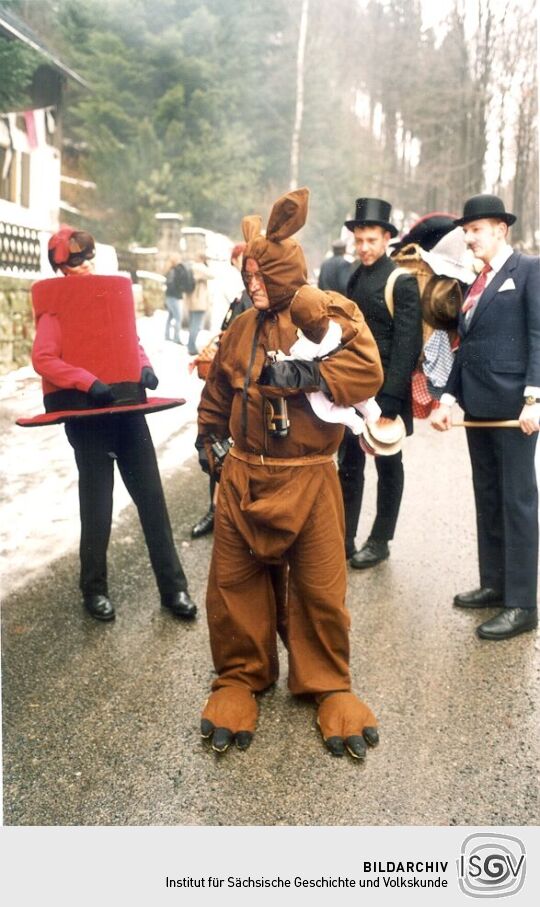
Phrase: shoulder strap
[389,288]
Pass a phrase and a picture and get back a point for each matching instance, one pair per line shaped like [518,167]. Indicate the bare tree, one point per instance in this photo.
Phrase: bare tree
[525,204]
[295,144]
[525,180]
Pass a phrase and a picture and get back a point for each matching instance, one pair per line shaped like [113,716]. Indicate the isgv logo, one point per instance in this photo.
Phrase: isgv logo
[491,865]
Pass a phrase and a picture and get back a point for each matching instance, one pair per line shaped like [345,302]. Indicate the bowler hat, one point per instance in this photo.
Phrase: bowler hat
[339,245]
[372,212]
[484,206]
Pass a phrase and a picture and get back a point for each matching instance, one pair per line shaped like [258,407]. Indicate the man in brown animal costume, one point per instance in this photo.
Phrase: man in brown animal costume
[278,562]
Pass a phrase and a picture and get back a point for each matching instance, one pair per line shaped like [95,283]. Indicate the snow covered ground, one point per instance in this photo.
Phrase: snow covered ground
[38,494]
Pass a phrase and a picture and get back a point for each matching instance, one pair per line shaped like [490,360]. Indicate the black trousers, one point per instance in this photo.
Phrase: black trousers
[351,465]
[506,498]
[98,442]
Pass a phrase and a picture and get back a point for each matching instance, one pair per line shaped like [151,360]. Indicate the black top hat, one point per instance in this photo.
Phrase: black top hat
[372,211]
[482,206]
[427,231]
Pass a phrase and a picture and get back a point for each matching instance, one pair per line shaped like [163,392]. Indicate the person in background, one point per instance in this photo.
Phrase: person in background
[240,302]
[198,302]
[335,271]
[434,250]
[496,377]
[173,297]
[87,352]
[236,294]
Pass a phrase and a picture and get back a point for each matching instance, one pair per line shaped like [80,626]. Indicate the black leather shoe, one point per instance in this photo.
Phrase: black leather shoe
[372,552]
[180,604]
[99,607]
[204,526]
[509,622]
[479,598]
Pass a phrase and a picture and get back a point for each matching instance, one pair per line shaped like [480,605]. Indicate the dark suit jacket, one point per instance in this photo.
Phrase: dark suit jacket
[499,353]
[334,274]
[398,338]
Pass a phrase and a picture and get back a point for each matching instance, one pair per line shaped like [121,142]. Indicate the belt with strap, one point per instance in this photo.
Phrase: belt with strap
[263,460]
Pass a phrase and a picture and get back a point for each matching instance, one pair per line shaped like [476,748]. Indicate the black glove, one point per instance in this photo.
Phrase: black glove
[100,394]
[390,406]
[204,462]
[290,375]
[149,378]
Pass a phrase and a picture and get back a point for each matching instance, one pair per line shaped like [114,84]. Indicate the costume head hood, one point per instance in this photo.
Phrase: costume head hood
[280,259]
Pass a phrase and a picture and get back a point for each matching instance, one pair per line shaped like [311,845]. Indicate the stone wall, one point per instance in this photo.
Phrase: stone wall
[152,294]
[16,323]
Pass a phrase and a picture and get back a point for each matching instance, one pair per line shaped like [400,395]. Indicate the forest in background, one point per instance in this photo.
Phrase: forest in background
[192,106]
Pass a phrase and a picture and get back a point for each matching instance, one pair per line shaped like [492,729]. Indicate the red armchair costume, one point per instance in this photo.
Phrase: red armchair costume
[278,562]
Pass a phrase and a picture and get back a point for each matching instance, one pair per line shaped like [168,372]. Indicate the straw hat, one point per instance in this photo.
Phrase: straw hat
[384,440]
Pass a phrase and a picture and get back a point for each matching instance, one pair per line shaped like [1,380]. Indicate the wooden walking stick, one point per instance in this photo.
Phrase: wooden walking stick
[500,423]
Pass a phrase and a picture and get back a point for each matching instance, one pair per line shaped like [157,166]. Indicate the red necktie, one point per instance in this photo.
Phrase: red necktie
[475,293]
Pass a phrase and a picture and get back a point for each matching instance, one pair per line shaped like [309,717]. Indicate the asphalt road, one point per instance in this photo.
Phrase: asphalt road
[100,721]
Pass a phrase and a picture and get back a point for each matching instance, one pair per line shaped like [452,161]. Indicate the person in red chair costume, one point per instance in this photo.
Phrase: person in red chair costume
[278,564]
[95,375]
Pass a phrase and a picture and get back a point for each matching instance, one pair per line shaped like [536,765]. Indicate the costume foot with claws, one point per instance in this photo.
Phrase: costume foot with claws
[346,724]
[230,715]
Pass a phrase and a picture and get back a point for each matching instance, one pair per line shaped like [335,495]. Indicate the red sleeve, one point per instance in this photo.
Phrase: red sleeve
[143,359]
[47,357]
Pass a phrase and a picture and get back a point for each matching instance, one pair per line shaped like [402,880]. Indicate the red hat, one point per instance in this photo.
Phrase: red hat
[59,245]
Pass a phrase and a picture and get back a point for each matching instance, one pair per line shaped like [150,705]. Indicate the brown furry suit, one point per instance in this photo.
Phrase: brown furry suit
[278,563]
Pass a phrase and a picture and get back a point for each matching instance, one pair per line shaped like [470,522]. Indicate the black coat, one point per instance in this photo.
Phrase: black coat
[398,338]
[334,274]
[237,307]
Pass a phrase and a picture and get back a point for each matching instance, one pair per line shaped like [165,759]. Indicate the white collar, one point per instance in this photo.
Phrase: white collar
[501,258]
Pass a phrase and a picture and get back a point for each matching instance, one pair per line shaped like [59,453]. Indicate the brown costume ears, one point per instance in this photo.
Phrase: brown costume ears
[251,226]
[287,217]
